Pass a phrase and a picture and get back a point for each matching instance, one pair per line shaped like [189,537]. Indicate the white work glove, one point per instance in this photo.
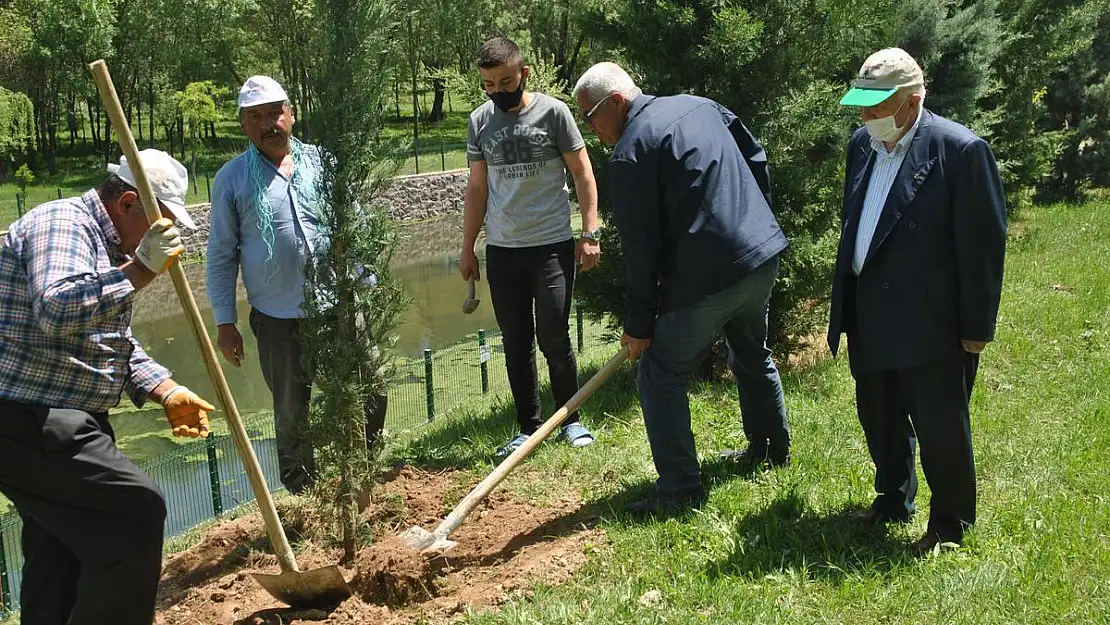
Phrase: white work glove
[160,247]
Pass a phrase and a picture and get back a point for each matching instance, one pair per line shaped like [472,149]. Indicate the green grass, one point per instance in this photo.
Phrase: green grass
[777,547]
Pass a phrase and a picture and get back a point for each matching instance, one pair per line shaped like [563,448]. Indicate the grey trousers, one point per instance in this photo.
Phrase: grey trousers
[681,340]
[279,354]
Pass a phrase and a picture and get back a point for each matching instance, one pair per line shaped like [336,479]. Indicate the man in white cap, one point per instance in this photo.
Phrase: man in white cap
[917,284]
[265,222]
[92,521]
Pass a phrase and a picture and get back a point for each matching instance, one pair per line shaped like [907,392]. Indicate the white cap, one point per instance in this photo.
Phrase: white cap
[260,90]
[168,178]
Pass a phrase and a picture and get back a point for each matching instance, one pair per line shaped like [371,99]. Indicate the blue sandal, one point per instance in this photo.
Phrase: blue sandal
[577,435]
[512,445]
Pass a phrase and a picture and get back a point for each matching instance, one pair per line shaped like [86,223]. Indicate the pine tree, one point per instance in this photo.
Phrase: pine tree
[352,299]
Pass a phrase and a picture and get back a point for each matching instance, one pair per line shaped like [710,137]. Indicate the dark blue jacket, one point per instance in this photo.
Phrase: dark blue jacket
[691,195]
[933,273]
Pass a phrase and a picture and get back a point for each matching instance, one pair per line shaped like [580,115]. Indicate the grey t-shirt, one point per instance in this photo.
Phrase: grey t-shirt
[529,203]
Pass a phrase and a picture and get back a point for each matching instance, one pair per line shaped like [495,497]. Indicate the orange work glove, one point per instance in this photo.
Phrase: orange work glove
[186,412]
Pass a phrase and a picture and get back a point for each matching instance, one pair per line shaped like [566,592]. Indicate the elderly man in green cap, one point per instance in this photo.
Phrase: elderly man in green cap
[916,288]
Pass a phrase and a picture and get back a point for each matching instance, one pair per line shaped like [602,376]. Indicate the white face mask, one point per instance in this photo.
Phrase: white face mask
[885,129]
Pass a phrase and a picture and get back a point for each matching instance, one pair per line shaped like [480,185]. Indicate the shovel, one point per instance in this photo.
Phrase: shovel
[422,540]
[470,304]
[320,588]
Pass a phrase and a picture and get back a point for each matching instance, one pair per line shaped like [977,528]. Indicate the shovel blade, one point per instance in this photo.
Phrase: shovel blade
[319,588]
[424,541]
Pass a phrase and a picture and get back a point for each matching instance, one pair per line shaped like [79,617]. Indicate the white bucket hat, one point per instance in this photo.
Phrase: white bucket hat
[168,177]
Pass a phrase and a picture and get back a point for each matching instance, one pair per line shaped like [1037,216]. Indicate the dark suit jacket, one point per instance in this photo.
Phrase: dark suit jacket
[933,273]
[691,195]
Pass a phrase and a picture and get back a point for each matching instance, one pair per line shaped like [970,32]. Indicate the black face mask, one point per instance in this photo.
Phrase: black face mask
[506,100]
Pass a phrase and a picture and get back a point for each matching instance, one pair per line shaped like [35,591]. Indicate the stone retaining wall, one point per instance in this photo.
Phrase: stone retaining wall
[410,198]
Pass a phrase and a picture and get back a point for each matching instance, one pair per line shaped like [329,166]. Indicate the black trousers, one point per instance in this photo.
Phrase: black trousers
[279,354]
[92,521]
[539,278]
[899,407]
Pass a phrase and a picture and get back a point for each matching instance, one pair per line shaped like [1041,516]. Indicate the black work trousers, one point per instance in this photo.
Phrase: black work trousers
[92,521]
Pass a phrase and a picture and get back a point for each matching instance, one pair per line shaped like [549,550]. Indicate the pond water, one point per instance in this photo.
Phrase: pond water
[425,262]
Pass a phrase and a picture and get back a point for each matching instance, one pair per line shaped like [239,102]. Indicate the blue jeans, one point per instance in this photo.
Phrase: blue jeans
[680,343]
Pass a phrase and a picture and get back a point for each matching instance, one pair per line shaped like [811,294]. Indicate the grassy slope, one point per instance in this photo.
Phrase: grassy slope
[777,547]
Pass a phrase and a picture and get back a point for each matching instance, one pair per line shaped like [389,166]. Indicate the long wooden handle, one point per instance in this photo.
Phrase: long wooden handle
[223,393]
[482,490]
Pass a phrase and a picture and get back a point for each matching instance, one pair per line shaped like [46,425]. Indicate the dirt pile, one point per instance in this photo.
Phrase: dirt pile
[504,547]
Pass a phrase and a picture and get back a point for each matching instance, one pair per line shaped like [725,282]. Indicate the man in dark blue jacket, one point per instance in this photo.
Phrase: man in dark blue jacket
[691,196]
[917,285]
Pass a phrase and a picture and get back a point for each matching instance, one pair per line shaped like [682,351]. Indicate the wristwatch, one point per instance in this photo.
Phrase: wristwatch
[591,235]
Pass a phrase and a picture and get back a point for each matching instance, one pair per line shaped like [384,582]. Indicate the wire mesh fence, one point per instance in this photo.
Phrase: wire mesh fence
[205,479]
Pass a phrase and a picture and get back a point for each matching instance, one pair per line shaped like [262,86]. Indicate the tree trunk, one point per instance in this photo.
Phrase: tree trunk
[193,164]
[306,109]
[39,112]
[71,120]
[150,95]
[130,112]
[50,129]
[570,69]
[181,134]
[94,126]
[107,137]
[440,86]
[560,51]
[415,97]
[139,120]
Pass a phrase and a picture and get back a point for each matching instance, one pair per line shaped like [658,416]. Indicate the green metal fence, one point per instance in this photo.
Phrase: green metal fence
[205,479]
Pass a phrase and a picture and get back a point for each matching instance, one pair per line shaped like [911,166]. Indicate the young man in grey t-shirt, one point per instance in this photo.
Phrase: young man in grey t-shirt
[520,145]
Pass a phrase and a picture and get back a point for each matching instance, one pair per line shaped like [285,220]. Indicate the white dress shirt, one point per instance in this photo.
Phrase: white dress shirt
[887,166]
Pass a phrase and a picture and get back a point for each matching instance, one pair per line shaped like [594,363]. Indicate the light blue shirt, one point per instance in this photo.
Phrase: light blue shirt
[887,166]
[274,279]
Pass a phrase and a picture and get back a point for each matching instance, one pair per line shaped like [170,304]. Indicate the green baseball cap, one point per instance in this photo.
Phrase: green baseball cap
[881,76]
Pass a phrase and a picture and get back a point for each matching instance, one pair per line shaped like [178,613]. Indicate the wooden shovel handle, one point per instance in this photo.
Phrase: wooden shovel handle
[223,393]
[482,490]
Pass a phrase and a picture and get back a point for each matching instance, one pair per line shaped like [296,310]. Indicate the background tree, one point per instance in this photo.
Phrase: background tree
[62,37]
[200,113]
[17,128]
[1077,99]
[1042,36]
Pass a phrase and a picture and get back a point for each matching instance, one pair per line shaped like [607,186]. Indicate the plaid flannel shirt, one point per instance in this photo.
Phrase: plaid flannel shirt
[65,312]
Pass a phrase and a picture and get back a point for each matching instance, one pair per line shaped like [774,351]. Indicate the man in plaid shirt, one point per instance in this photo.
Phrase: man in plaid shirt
[92,521]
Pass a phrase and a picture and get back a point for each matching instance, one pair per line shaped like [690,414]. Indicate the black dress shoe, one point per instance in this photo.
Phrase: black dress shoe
[752,458]
[871,516]
[670,503]
[930,542]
